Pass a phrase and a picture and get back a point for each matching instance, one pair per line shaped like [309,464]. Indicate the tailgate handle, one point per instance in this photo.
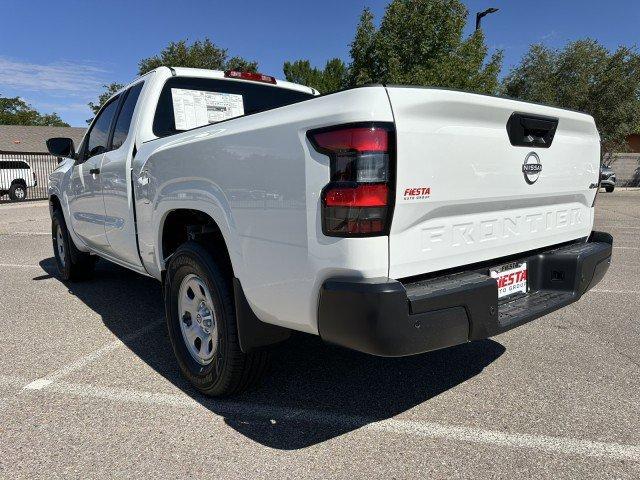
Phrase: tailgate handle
[529,130]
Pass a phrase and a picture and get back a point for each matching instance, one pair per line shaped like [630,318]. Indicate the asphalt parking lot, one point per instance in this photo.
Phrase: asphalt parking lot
[89,387]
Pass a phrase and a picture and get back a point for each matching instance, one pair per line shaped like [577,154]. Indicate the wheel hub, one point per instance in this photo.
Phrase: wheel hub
[197,319]
[60,246]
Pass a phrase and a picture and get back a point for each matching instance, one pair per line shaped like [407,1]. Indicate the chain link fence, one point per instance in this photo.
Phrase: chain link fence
[12,169]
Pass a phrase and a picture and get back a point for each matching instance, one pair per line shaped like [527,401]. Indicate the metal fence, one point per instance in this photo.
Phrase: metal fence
[41,166]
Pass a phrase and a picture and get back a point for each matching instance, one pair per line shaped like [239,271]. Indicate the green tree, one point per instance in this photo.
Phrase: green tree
[199,54]
[103,97]
[15,111]
[329,79]
[584,76]
[420,42]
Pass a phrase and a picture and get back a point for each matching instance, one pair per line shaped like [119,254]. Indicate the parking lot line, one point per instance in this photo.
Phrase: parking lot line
[619,227]
[18,265]
[82,362]
[26,234]
[225,409]
[597,290]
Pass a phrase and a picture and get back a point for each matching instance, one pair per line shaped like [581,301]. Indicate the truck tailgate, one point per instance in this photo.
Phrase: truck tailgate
[462,193]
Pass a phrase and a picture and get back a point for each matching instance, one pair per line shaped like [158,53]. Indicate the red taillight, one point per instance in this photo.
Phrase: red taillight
[254,77]
[358,199]
[376,195]
[362,139]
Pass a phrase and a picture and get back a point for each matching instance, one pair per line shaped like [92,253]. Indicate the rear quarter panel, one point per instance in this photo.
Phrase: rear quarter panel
[260,180]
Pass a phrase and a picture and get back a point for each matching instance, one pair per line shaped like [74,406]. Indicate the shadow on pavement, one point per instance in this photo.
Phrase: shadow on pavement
[351,388]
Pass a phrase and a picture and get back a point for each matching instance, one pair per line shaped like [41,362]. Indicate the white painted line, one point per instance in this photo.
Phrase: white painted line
[25,234]
[597,290]
[82,362]
[626,248]
[562,445]
[38,384]
[619,226]
[37,203]
[18,265]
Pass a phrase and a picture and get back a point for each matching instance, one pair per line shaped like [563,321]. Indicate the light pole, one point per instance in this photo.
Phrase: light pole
[479,15]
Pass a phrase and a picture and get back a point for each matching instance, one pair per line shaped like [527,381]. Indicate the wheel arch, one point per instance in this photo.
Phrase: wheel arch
[55,203]
[180,225]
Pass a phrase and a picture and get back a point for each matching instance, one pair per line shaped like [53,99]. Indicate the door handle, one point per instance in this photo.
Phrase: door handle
[94,171]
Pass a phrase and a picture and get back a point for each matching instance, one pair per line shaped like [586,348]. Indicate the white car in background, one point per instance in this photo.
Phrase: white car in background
[16,177]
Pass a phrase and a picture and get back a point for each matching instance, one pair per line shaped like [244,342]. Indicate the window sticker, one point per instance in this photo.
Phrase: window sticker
[195,108]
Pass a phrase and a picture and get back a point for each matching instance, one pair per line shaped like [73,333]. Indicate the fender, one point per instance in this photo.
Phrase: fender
[58,177]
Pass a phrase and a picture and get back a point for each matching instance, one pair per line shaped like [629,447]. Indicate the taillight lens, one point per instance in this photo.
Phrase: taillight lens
[358,200]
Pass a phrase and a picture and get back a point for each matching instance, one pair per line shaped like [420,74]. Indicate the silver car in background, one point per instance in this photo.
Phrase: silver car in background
[607,178]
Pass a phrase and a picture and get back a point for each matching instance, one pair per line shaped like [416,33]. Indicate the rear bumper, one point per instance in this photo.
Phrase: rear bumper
[391,318]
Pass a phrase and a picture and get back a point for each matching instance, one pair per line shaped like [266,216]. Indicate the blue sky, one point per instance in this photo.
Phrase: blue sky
[57,54]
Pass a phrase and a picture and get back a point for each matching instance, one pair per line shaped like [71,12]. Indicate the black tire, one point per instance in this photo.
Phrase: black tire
[18,192]
[231,371]
[609,189]
[75,265]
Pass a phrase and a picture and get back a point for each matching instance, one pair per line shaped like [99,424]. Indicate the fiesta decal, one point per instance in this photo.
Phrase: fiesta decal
[509,279]
[417,193]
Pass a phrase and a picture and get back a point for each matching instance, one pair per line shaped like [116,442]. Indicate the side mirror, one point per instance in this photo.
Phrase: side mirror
[61,147]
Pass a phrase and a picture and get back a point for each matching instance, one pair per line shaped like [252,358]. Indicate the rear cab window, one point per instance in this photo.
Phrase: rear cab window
[187,102]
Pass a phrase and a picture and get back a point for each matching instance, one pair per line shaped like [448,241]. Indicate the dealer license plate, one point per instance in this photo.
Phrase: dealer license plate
[511,278]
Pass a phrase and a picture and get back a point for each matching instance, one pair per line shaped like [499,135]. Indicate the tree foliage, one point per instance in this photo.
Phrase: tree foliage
[421,42]
[584,76]
[199,54]
[329,79]
[15,111]
[103,97]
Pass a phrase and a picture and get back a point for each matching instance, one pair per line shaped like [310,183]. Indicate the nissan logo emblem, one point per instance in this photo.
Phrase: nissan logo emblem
[531,168]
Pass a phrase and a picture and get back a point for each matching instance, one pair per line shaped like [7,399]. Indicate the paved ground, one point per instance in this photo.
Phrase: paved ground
[89,388]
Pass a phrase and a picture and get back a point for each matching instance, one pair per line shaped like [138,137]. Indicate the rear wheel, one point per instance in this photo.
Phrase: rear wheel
[72,263]
[609,189]
[201,320]
[18,192]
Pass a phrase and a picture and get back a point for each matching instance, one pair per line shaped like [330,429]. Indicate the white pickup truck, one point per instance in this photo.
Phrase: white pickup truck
[391,220]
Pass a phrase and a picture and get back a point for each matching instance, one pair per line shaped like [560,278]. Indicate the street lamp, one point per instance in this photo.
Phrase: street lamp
[479,15]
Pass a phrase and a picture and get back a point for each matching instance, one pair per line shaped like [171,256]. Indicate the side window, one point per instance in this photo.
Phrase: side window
[99,135]
[23,165]
[4,165]
[124,117]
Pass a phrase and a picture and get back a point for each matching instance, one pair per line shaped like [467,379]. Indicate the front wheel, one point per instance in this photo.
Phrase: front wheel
[609,189]
[201,320]
[72,263]
[18,192]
